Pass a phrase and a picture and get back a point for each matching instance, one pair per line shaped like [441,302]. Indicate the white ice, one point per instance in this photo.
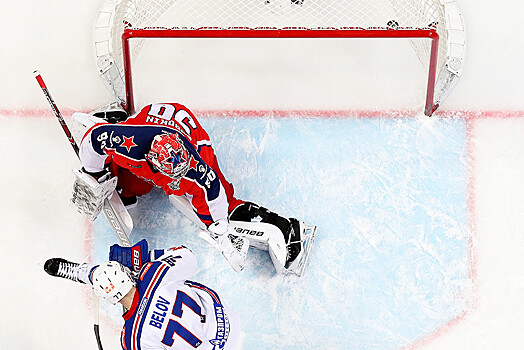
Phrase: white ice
[37,221]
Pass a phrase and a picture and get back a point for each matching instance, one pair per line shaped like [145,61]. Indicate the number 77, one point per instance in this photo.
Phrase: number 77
[175,327]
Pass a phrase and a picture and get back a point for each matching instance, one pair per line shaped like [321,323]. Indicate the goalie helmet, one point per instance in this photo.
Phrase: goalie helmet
[169,155]
[112,281]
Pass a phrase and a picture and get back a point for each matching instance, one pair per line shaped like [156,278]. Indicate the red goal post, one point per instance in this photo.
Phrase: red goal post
[436,24]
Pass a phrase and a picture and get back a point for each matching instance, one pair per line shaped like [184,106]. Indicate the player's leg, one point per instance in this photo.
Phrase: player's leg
[63,268]
[287,240]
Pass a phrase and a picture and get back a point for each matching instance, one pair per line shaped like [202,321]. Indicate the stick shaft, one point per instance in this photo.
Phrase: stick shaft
[96,326]
[58,115]
[62,122]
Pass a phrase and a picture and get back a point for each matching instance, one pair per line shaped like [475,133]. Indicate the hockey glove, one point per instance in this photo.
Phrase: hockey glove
[89,192]
[223,238]
[133,257]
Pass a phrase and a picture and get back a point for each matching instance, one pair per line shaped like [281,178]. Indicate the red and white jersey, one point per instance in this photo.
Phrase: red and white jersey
[127,143]
[171,312]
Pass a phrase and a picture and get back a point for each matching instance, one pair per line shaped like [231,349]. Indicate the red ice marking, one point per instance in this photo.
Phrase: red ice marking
[472,254]
[470,117]
[34,113]
[356,113]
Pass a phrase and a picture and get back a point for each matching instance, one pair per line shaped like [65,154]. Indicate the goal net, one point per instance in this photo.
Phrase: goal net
[434,28]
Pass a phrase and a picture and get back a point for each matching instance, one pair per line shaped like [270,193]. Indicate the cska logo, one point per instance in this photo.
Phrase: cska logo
[174,185]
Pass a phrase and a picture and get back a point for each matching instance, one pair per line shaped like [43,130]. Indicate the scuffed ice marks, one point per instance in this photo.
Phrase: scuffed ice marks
[237,140]
[390,262]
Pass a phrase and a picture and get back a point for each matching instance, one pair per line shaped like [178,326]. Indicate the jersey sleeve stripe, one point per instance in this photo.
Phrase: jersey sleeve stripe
[211,292]
[205,218]
[142,312]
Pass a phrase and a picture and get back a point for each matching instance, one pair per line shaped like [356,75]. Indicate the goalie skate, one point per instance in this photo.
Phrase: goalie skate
[299,246]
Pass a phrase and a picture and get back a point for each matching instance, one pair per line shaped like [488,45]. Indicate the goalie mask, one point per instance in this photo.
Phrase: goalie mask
[169,155]
[112,281]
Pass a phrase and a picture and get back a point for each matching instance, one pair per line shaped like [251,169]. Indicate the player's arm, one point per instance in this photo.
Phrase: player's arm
[93,182]
[211,206]
[209,199]
[91,152]
[180,260]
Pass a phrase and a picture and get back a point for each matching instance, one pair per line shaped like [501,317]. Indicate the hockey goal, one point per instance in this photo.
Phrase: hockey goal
[434,27]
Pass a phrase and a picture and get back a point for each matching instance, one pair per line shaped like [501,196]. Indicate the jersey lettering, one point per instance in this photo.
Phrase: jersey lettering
[210,177]
[168,112]
[158,316]
[102,139]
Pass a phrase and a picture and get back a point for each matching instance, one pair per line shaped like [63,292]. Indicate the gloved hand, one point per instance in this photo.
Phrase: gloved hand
[222,236]
[133,257]
[89,192]
[221,227]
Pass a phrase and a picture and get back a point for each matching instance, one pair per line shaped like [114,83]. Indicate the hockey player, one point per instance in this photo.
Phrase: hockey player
[164,310]
[165,146]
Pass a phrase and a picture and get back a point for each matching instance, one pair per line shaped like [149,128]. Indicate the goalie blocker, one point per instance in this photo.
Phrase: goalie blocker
[89,192]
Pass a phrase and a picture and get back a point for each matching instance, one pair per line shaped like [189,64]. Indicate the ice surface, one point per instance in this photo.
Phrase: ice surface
[390,262]
[420,233]
[38,222]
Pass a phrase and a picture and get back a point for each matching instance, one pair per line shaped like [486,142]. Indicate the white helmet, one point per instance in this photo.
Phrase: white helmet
[112,281]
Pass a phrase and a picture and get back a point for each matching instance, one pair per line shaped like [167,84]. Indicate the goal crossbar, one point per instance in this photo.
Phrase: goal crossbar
[428,33]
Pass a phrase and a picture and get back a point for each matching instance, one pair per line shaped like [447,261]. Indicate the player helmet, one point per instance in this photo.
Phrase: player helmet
[169,155]
[112,281]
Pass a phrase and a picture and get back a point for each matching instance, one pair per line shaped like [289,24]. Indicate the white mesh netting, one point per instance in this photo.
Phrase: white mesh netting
[264,14]
[280,14]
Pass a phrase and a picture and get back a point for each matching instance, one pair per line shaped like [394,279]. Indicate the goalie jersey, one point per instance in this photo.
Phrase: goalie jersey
[127,143]
[171,312]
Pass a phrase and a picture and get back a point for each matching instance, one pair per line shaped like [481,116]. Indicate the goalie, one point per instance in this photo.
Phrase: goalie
[165,146]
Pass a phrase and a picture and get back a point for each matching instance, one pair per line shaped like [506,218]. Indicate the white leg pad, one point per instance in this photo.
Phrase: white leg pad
[264,236]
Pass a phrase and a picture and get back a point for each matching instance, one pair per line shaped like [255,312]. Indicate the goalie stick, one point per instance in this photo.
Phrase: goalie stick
[113,209]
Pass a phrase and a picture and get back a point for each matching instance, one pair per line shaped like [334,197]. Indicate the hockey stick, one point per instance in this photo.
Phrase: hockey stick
[113,210]
[55,109]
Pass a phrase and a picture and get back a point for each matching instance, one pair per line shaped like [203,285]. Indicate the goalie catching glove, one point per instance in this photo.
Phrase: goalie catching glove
[223,238]
[90,191]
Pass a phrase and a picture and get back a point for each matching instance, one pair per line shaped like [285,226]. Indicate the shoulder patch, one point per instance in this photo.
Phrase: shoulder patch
[144,270]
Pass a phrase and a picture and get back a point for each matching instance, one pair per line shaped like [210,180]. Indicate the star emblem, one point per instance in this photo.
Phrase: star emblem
[193,163]
[128,143]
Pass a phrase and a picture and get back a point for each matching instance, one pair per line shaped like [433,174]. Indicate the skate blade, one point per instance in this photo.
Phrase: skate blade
[298,266]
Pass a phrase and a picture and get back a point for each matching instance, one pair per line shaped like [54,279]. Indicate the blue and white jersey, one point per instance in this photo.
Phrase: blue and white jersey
[171,312]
